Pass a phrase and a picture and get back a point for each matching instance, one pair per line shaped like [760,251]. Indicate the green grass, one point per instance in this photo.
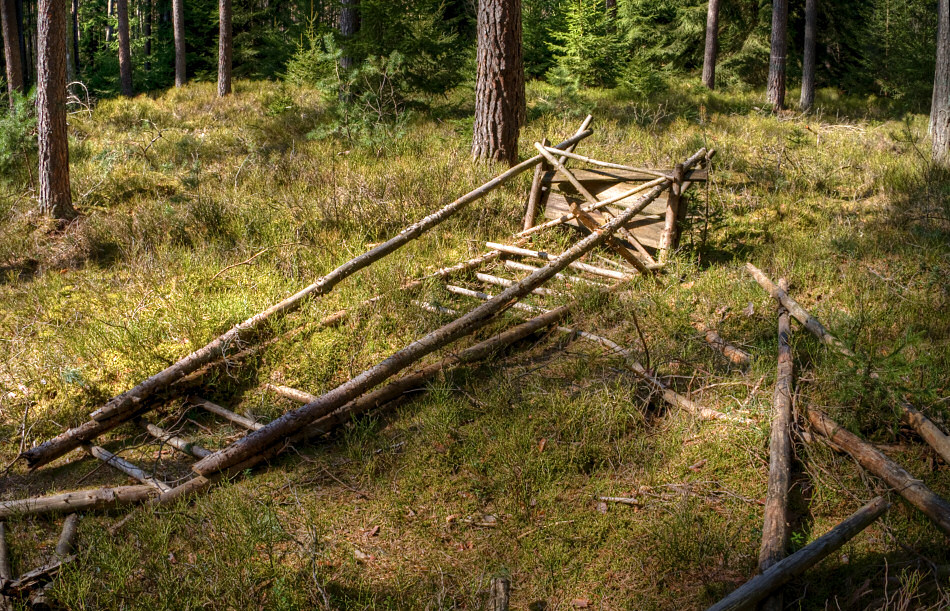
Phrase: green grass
[175,188]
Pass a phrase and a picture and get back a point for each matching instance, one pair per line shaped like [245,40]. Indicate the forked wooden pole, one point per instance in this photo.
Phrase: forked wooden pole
[122,407]
[872,459]
[293,421]
[761,586]
[775,522]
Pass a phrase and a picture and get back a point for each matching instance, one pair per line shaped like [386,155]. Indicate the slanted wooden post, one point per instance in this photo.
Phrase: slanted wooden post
[670,238]
[498,596]
[537,192]
[775,526]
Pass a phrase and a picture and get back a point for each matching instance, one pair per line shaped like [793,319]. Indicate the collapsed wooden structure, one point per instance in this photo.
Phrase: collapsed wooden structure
[635,214]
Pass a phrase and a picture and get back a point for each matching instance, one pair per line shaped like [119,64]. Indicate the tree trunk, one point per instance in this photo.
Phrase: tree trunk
[940,109]
[712,44]
[11,49]
[24,68]
[55,198]
[110,10]
[74,13]
[125,53]
[148,34]
[349,26]
[776,84]
[499,85]
[808,64]
[224,48]
[178,24]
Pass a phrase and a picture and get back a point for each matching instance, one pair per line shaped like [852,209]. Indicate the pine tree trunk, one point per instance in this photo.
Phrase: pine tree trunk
[611,8]
[808,63]
[110,10]
[24,67]
[224,48]
[55,198]
[940,109]
[148,34]
[776,84]
[125,53]
[712,44]
[75,17]
[11,48]
[499,84]
[178,25]
[349,26]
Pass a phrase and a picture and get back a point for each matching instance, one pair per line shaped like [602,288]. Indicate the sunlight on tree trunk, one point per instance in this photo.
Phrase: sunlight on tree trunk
[940,106]
[11,49]
[499,83]
[808,62]
[55,198]
[224,48]
[777,58]
[712,44]
[178,24]
[125,53]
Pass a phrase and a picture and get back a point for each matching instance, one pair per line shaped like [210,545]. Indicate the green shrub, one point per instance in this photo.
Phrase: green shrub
[18,136]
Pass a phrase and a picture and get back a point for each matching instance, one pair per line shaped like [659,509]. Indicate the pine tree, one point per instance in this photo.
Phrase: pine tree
[11,49]
[940,106]
[125,53]
[712,44]
[224,48]
[775,92]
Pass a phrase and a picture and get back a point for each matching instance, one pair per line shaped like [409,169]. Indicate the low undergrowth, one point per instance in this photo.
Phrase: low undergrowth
[198,212]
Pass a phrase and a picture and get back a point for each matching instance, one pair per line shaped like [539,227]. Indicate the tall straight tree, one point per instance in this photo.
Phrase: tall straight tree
[775,93]
[224,48]
[125,52]
[940,107]
[712,44]
[808,62]
[74,13]
[499,81]
[55,198]
[11,47]
[147,34]
[349,26]
[178,25]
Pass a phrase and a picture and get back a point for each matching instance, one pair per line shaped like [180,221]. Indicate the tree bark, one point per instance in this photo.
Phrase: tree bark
[178,24]
[760,586]
[100,498]
[147,33]
[25,71]
[55,197]
[808,63]
[499,82]
[74,14]
[776,84]
[870,458]
[11,48]
[110,9]
[125,53]
[224,48]
[712,44]
[349,26]
[774,528]
[940,107]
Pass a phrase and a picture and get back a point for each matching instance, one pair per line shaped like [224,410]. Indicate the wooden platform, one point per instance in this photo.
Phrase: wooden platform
[647,226]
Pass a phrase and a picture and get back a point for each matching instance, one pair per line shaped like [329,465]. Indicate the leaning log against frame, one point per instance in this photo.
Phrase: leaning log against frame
[122,407]
[869,457]
[760,586]
[774,527]
[293,421]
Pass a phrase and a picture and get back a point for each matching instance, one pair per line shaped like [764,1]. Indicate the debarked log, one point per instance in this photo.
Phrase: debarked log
[761,586]
[82,500]
[736,355]
[129,403]
[293,421]
[869,457]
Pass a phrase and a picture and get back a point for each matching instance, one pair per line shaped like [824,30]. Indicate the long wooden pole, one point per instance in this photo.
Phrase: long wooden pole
[869,457]
[64,548]
[780,573]
[100,498]
[127,402]
[928,431]
[470,322]
[736,355]
[775,522]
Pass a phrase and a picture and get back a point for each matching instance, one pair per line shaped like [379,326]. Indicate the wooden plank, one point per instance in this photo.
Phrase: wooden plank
[595,176]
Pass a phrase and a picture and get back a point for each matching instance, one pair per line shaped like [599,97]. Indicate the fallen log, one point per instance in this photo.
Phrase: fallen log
[64,548]
[129,402]
[736,355]
[498,594]
[927,430]
[29,580]
[495,280]
[225,413]
[291,393]
[801,315]
[775,522]
[524,267]
[912,489]
[287,424]
[120,464]
[543,256]
[761,586]
[182,445]
[83,500]
[464,292]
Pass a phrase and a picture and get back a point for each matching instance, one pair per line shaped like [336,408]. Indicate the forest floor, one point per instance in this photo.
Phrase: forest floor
[175,188]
